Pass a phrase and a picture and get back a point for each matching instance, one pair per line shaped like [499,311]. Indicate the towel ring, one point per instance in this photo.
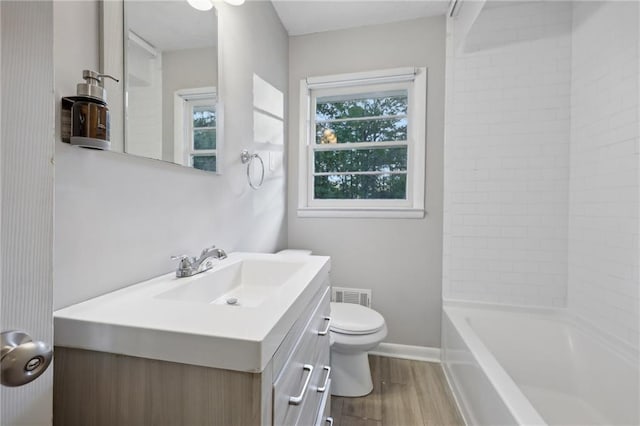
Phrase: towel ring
[247,159]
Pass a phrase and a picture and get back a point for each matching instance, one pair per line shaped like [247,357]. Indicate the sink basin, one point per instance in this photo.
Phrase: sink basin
[246,283]
[189,320]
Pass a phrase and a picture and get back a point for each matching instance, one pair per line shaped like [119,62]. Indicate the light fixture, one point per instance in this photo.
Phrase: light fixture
[201,4]
[205,5]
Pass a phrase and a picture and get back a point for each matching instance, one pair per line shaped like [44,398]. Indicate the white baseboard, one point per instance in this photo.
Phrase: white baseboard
[418,353]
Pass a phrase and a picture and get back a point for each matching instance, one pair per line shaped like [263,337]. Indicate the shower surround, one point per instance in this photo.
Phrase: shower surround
[541,161]
[541,209]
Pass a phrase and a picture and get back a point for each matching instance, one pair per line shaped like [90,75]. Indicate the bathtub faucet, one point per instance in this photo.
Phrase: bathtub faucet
[189,265]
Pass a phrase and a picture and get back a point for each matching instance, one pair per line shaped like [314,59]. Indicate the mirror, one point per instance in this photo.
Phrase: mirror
[170,70]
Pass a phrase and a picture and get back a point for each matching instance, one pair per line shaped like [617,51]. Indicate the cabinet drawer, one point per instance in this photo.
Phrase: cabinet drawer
[325,409]
[303,372]
[310,411]
[293,336]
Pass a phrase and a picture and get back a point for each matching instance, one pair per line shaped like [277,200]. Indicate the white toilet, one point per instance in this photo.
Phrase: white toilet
[355,330]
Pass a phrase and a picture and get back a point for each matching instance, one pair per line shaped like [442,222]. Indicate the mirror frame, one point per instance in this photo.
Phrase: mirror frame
[112,24]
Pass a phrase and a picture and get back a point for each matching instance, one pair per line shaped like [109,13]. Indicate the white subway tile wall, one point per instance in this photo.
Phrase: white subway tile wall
[507,157]
[604,192]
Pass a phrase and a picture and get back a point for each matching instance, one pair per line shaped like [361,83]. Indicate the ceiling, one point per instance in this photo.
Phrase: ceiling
[313,16]
[172,25]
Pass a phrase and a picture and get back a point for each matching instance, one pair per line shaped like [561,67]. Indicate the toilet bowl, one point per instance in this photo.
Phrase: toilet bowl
[354,331]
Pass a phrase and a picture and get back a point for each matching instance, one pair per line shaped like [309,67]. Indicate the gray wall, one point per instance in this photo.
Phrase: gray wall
[118,218]
[400,259]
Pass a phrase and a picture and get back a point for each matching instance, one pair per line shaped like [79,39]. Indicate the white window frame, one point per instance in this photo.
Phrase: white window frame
[184,101]
[414,80]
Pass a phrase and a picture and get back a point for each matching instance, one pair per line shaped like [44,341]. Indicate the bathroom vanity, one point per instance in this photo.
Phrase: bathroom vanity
[245,343]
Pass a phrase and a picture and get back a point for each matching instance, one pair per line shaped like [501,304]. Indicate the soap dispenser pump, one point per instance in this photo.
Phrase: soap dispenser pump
[85,117]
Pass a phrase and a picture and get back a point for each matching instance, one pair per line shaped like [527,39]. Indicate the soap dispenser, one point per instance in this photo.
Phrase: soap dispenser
[85,117]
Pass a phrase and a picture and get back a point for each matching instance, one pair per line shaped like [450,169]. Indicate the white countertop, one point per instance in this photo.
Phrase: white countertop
[134,321]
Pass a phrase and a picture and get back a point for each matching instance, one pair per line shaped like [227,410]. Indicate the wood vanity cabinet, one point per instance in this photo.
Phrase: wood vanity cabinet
[98,388]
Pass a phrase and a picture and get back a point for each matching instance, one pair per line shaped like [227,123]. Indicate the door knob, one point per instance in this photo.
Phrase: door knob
[21,359]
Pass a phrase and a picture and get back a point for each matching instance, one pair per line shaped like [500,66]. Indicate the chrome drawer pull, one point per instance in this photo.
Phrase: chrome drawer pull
[326,330]
[329,420]
[296,400]
[326,379]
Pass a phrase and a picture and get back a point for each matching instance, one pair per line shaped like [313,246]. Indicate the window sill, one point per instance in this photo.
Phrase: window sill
[364,213]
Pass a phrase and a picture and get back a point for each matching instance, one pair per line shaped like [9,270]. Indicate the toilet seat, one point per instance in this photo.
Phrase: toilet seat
[352,319]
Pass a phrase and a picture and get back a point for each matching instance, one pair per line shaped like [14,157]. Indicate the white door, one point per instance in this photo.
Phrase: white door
[26,194]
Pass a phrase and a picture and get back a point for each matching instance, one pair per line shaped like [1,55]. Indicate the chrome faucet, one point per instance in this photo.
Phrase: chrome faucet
[190,266]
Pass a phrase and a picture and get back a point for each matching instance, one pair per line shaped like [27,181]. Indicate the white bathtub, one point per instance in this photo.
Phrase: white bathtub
[530,367]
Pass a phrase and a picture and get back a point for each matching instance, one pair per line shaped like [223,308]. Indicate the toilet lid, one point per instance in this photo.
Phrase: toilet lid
[349,318]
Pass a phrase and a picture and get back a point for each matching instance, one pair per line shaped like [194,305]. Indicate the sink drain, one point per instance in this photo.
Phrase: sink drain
[232,300]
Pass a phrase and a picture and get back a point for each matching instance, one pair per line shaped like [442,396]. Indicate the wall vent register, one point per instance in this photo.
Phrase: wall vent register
[351,295]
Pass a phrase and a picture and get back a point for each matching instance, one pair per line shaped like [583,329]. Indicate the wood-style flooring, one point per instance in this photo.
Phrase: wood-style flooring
[405,393]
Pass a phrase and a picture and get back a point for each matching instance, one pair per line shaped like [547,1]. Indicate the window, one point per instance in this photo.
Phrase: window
[196,129]
[363,144]
[201,151]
